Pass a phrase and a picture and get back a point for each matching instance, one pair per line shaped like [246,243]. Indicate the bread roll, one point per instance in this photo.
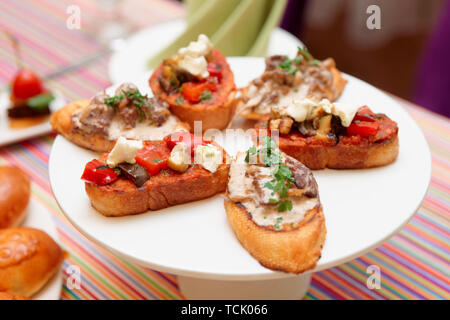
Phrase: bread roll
[14,196]
[28,259]
[8,296]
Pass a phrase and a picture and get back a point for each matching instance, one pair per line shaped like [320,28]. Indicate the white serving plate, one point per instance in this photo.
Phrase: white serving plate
[130,57]
[363,208]
[38,217]
[8,135]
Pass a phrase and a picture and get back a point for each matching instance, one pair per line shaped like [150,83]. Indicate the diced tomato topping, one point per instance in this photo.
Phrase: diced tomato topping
[192,91]
[189,139]
[26,84]
[363,128]
[365,114]
[98,173]
[215,70]
[152,158]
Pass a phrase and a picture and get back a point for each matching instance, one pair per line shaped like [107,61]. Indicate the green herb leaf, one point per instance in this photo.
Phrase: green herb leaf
[304,52]
[314,63]
[206,95]
[41,101]
[251,151]
[179,100]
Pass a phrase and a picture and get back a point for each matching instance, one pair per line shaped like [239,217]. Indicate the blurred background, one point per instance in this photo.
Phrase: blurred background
[407,56]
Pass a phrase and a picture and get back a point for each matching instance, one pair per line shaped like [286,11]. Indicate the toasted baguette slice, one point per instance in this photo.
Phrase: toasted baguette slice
[123,198]
[165,189]
[215,113]
[62,122]
[349,152]
[342,156]
[293,251]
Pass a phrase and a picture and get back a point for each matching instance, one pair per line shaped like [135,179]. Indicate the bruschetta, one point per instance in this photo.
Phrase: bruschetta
[98,123]
[333,135]
[285,79]
[274,208]
[198,85]
[138,176]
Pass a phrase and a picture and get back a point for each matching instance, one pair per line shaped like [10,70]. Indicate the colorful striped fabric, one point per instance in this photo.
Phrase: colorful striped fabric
[414,264]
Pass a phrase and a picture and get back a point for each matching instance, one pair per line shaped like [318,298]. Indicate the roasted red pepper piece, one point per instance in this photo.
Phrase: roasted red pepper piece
[98,173]
[152,158]
[215,70]
[363,128]
[365,114]
[192,91]
[189,139]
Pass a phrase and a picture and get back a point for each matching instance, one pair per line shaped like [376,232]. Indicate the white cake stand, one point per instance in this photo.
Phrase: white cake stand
[363,208]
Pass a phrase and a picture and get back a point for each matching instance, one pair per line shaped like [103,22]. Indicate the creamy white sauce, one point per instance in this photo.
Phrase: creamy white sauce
[240,187]
[143,130]
[262,106]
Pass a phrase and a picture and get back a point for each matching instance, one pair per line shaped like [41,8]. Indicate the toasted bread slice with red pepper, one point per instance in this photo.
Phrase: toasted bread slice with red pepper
[214,110]
[166,188]
[344,152]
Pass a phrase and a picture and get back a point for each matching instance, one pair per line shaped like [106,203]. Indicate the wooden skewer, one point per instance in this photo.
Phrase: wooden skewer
[16,46]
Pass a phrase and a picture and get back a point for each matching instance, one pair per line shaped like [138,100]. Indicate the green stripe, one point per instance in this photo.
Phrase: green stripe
[364,278]
[97,276]
[148,279]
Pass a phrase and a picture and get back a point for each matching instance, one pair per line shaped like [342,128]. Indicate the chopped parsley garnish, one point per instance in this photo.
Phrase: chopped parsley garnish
[278,223]
[137,99]
[283,176]
[250,152]
[179,100]
[117,171]
[206,95]
[281,184]
[298,60]
[113,101]
[286,65]
[271,156]
[304,52]
[314,62]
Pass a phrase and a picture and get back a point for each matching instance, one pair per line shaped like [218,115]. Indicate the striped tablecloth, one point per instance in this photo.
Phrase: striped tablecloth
[414,264]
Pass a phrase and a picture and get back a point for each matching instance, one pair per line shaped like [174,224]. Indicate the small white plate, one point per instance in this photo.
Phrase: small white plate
[130,58]
[363,208]
[8,135]
[39,218]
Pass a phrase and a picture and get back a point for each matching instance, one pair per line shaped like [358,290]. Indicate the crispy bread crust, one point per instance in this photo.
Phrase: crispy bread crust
[293,251]
[62,123]
[214,116]
[123,198]
[14,196]
[30,272]
[343,156]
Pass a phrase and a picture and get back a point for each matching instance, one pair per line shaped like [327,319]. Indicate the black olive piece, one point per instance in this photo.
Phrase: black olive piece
[134,172]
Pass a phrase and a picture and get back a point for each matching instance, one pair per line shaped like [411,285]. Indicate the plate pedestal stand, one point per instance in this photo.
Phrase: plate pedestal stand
[290,288]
